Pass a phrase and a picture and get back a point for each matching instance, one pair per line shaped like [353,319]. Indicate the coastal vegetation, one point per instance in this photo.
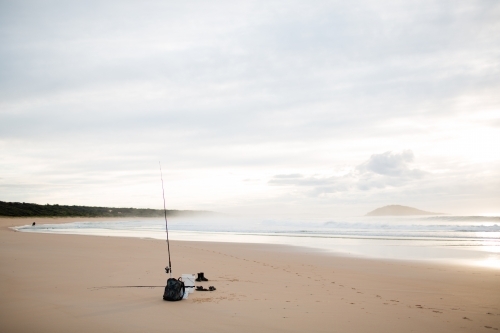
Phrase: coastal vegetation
[23,209]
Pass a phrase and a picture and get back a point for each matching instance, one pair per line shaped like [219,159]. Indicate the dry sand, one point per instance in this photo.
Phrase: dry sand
[68,283]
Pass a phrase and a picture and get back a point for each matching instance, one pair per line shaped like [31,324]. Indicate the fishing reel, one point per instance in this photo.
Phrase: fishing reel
[167,269]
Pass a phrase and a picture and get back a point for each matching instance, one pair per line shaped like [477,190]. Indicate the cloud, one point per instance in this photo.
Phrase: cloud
[300,181]
[391,164]
[378,172]
[93,90]
[289,176]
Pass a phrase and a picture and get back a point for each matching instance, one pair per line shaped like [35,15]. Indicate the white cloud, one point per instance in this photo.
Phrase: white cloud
[391,164]
[93,94]
[378,172]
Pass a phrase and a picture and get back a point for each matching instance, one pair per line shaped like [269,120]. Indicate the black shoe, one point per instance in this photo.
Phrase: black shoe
[201,277]
[211,288]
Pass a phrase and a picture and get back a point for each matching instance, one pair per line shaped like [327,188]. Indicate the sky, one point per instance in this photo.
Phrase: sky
[273,108]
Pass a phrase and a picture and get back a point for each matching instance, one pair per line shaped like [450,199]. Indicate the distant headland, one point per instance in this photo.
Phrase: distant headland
[398,210]
[22,209]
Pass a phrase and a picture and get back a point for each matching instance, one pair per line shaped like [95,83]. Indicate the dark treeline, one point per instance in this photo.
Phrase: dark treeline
[22,209]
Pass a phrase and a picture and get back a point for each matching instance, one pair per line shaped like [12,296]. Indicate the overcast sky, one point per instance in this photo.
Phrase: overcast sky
[291,108]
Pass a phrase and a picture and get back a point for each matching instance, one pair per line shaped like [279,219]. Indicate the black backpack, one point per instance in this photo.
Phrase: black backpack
[174,290]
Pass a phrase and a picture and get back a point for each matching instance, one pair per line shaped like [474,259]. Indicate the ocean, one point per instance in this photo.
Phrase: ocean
[462,240]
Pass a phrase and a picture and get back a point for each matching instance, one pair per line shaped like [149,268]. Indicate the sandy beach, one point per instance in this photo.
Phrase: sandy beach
[69,283]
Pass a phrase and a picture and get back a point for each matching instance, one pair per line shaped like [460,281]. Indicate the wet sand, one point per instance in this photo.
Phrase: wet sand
[70,283]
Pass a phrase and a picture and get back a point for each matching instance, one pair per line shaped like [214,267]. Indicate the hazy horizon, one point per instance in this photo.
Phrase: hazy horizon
[272,108]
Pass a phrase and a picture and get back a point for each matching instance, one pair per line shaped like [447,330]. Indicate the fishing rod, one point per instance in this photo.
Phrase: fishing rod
[168,269]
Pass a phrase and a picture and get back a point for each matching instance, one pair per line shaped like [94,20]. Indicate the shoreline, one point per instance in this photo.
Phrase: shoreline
[60,283]
[441,251]
[7,222]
